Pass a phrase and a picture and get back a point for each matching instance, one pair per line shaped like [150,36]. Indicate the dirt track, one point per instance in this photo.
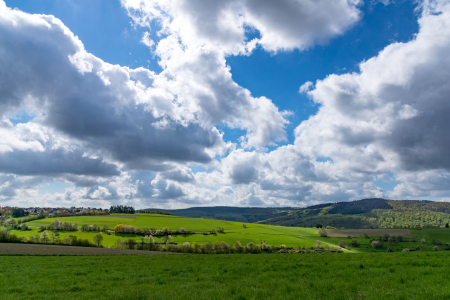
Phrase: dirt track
[370,232]
[37,249]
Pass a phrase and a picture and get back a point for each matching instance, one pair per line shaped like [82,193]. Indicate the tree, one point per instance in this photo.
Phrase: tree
[44,236]
[98,238]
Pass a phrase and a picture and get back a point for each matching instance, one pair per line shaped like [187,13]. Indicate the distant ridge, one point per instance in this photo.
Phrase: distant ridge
[364,213]
[231,213]
[367,213]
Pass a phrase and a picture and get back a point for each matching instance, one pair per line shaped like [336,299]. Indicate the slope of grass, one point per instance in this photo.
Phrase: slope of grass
[317,276]
[256,233]
[273,235]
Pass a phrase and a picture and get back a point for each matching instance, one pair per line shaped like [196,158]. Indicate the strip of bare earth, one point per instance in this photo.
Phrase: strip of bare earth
[38,249]
[370,232]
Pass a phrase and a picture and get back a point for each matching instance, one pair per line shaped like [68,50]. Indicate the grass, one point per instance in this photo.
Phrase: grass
[272,235]
[415,275]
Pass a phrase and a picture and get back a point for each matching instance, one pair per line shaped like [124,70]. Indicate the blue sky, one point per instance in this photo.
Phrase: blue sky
[206,116]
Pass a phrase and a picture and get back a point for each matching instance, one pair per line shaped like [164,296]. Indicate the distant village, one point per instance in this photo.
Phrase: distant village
[60,211]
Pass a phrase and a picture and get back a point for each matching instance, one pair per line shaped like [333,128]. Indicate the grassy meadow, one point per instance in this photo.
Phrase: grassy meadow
[414,275]
[234,231]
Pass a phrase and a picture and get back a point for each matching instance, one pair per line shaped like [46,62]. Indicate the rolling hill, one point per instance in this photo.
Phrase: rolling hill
[365,213]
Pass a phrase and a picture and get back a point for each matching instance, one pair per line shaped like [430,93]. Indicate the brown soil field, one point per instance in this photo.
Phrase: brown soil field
[116,216]
[370,232]
[38,249]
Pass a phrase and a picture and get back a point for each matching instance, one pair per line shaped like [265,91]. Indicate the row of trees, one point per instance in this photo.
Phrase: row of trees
[129,229]
[148,243]
[61,226]
[94,227]
[121,209]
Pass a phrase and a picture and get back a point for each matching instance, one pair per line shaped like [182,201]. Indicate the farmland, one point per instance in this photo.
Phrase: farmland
[245,233]
[415,275]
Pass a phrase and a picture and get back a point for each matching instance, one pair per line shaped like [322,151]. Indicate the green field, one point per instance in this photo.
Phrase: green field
[234,231]
[416,275]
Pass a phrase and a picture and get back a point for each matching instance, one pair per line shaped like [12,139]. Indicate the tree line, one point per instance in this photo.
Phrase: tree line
[121,209]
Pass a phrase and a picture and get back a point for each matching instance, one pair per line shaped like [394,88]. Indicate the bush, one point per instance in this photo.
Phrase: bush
[422,241]
[435,248]
[354,243]
[377,245]
[389,250]
[343,244]
[318,243]
[400,238]
[323,233]
[405,250]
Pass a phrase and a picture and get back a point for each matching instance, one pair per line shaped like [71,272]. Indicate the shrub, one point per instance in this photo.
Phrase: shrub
[244,225]
[366,236]
[343,244]
[131,243]
[323,233]
[390,241]
[165,231]
[400,238]
[405,250]
[377,245]
[318,243]
[389,250]
[435,248]
[422,241]
[354,243]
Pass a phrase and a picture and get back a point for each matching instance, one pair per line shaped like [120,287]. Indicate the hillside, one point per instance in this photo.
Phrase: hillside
[364,213]
[229,213]
[368,213]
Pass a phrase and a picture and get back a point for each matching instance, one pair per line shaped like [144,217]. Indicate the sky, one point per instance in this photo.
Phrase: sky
[181,103]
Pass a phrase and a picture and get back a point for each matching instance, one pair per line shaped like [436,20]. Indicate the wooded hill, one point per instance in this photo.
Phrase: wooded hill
[368,213]
[364,213]
[230,213]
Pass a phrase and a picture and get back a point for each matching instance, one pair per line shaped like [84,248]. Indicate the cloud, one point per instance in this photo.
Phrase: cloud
[107,108]
[304,88]
[391,115]
[196,36]
[129,135]
[282,25]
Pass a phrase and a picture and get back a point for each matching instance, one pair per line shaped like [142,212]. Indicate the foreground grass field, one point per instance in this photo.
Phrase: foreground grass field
[273,276]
